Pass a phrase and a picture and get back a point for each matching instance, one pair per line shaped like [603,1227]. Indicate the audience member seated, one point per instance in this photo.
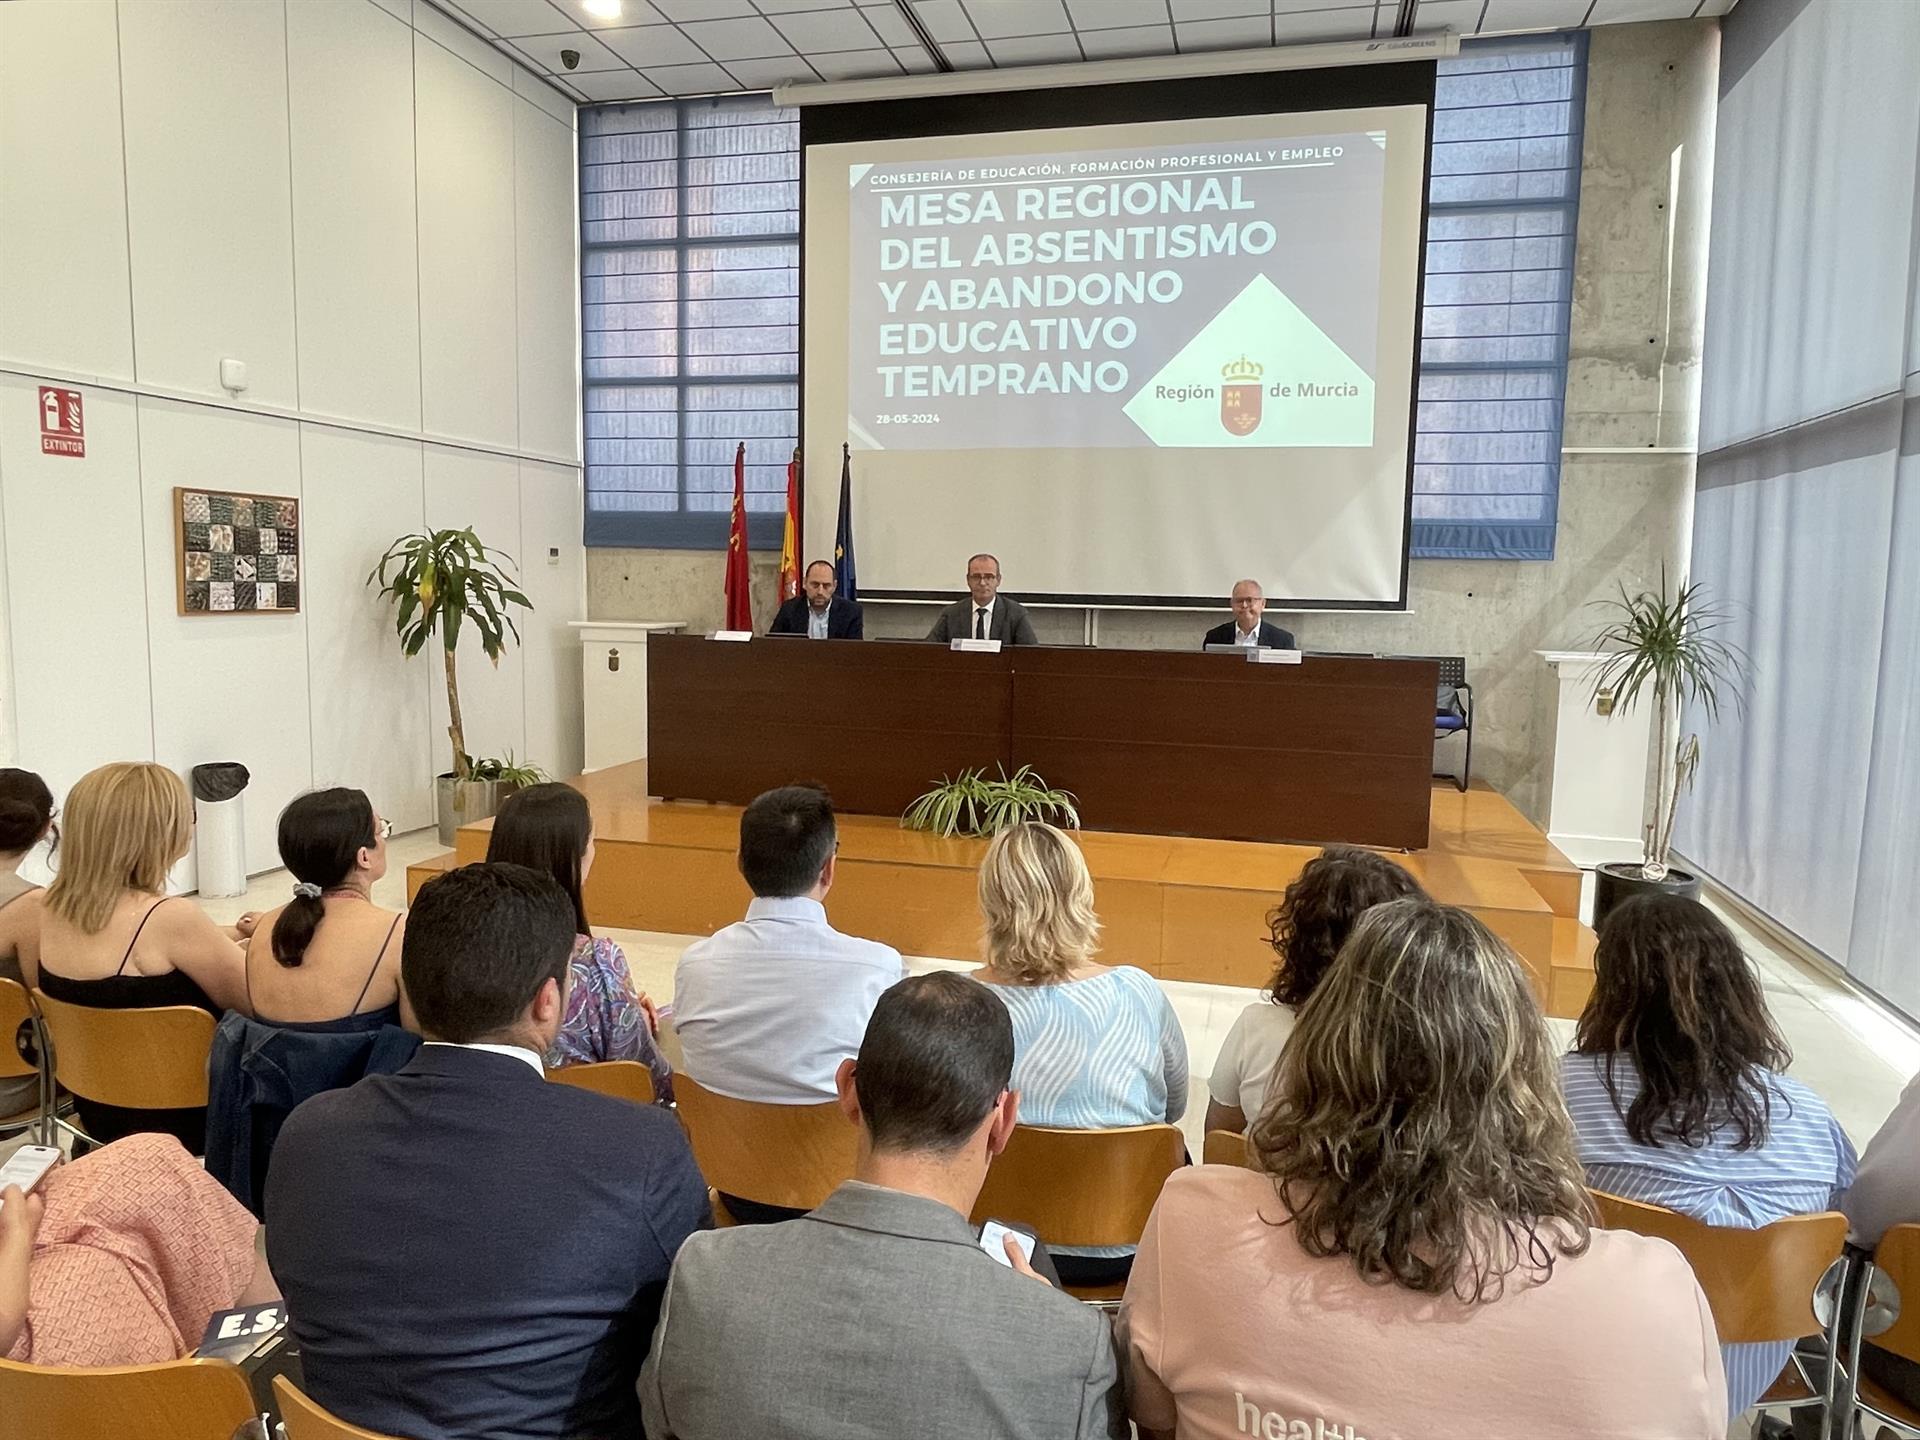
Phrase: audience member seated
[1412,1253]
[466,1249]
[323,979]
[769,1006]
[1096,1046]
[549,828]
[26,818]
[1308,927]
[1677,1093]
[111,938]
[879,1314]
[122,1257]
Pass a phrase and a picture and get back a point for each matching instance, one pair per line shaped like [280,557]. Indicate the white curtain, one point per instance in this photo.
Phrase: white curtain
[1807,522]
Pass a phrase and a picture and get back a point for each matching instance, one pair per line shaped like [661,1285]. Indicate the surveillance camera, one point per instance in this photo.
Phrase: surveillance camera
[570,59]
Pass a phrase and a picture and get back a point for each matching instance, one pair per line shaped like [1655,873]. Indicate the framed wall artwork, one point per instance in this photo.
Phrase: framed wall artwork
[236,554]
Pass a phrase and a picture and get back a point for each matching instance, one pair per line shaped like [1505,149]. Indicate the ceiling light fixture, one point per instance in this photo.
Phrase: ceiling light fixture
[602,9]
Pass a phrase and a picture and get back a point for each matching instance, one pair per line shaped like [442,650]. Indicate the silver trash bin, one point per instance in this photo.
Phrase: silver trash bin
[220,827]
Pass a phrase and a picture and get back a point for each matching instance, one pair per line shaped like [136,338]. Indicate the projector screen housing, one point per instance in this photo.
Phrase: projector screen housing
[1157,485]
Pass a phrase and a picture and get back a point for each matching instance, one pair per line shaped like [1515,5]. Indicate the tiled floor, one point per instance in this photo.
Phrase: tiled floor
[1856,1054]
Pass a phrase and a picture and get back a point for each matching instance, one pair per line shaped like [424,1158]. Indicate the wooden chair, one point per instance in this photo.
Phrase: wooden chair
[788,1155]
[1759,1284]
[180,1400]
[1082,1187]
[1224,1147]
[1889,1297]
[622,1079]
[17,1015]
[304,1418]
[145,1059]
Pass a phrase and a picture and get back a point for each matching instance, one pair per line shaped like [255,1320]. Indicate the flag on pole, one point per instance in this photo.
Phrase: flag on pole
[739,603]
[843,535]
[788,584]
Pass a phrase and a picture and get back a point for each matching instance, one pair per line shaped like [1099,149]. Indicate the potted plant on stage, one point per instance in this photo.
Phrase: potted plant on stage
[1664,647]
[971,804]
[439,582]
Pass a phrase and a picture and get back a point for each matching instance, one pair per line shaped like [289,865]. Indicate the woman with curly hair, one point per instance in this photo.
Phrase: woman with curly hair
[1411,1252]
[1678,1095]
[1306,929]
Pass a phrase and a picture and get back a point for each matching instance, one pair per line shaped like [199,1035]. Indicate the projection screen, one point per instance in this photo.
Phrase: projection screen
[1134,361]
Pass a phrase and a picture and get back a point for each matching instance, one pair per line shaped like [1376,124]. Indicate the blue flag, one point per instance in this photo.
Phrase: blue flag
[843,537]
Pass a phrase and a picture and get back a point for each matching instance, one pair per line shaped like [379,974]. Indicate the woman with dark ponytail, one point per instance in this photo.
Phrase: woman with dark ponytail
[549,828]
[26,818]
[329,956]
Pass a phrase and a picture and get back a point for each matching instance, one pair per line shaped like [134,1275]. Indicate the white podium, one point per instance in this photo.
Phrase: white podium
[1596,765]
[613,687]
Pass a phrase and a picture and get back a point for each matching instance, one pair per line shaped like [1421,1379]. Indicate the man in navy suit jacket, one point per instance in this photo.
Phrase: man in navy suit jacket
[1246,627]
[465,1249]
[817,606]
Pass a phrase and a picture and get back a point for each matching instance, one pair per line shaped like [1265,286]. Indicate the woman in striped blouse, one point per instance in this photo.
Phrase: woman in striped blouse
[1676,1090]
[1095,1047]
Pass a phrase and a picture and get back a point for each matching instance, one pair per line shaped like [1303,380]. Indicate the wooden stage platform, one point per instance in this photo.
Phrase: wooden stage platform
[1179,908]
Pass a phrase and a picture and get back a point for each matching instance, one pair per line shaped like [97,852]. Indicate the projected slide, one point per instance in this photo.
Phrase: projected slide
[1201,295]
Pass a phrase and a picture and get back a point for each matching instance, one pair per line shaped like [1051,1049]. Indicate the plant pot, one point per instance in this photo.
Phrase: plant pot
[1617,882]
[461,802]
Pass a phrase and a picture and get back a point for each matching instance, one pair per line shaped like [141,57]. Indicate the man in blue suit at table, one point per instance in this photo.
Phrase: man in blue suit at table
[817,612]
[1246,628]
[465,1248]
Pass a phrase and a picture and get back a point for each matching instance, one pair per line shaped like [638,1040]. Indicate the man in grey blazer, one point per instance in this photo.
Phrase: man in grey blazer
[878,1316]
[985,614]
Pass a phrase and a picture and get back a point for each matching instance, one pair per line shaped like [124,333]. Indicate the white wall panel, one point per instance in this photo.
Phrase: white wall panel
[234,686]
[208,203]
[464,489]
[356,265]
[76,588]
[464,131]
[544,233]
[369,702]
[550,520]
[63,205]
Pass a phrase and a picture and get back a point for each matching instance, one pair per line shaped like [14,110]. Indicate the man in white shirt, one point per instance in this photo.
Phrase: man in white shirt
[985,614]
[1247,629]
[769,1006]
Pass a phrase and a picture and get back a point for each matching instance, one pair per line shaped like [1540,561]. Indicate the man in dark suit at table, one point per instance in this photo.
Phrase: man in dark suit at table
[1247,628]
[467,1248]
[985,614]
[817,612]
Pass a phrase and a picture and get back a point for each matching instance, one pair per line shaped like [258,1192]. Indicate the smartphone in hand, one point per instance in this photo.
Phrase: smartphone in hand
[993,1236]
[28,1166]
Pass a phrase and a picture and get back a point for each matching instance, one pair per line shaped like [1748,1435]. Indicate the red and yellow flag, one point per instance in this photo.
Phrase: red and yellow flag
[789,580]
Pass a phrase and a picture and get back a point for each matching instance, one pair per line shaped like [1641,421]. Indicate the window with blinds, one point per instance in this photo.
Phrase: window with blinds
[690,287]
[690,323]
[1502,199]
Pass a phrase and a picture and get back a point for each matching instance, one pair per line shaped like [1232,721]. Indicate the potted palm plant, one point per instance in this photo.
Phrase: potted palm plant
[439,582]
[1663,646]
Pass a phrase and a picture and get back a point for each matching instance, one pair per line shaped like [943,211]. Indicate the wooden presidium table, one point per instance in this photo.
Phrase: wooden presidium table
[1151,742]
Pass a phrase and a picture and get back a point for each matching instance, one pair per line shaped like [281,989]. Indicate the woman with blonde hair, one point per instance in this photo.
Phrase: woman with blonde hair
[1410,1250]
[1096,1046]
[109,936]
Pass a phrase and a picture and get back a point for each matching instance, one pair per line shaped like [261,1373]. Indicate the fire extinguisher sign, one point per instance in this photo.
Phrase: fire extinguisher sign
[62,430]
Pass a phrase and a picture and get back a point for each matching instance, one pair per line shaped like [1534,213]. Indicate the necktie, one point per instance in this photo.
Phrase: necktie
[979,623]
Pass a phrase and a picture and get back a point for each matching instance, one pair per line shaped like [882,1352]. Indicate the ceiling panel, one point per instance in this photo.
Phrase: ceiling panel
[686,47]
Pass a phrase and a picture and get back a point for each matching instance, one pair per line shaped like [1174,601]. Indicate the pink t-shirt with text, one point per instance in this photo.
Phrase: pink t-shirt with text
[1231,1329]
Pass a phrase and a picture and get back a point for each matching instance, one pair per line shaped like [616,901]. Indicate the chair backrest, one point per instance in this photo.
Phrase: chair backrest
[304,1418]
[622,1079]
[1897,1257]
[1453,669]
[16,1010]
[789,1155]
[1225,1147]
[146,1059]
[180,1400]
[1758,1283]
[1081,1187]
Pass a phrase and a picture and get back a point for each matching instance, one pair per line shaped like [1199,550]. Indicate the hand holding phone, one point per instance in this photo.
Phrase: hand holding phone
[1012,1248]
[28,1166]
